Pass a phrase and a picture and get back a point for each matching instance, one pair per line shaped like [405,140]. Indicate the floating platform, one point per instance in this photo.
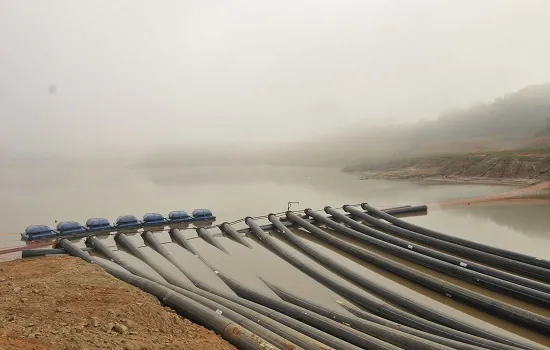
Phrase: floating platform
[203,215]
[179,216]
[70,228]
[154,219]
[38,232]
[382,316]
[34,233]
[98,225]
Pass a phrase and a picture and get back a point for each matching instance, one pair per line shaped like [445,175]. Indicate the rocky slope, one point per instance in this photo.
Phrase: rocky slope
[520,166]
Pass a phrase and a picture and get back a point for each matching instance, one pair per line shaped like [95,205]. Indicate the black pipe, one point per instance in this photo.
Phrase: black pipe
[485,258]
[392,332]
[369,319]
[229,231]
[180,239]
[513,313]
[371,304]
[445,263]
[196,312]
[401,211]
[151,240]
[322,323]
[291,322]
[298,326]
[408,211]
[31,253]
[207,236]
[102,248]
[288,321]
[127,243]
[402,206]
[287,332]
[240,319]
[390,335]
[311,331]
[432,320]
[426,335]
[519,257]
[295,328]
[465,264]
[232,332]
[248,304]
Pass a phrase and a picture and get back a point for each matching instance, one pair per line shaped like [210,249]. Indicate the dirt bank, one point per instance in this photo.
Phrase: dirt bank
[64,303]
[509,168]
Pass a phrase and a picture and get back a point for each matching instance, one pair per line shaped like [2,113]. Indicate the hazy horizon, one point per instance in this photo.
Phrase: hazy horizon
[89,78]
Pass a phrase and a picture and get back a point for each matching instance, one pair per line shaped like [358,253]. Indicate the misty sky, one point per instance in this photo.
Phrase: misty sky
[86,76]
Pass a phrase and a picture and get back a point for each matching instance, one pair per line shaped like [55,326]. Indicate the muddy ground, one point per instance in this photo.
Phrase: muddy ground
[64,303]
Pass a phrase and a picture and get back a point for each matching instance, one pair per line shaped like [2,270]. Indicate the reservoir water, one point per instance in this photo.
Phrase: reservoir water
[78,191]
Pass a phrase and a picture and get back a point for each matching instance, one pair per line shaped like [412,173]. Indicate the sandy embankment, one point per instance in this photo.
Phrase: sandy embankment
[64,303]
[513,168]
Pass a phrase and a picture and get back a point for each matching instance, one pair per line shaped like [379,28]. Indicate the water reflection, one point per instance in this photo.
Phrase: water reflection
[529,219]
[517,227]
[421,294]
[107,190]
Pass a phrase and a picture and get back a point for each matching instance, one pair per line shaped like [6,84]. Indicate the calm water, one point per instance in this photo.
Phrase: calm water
[41,194]
[109,190]
[47,192]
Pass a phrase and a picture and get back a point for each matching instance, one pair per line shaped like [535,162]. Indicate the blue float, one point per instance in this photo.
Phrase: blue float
[70,227]
[151,219]
[179,216]
[36,232]
[127,221]
[98,224]
[203,215]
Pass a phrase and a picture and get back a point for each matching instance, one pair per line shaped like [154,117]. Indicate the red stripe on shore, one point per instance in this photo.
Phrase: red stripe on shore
[25,247]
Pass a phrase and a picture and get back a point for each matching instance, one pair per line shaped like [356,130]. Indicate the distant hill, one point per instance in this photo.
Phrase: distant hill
[516,120]
[522,114]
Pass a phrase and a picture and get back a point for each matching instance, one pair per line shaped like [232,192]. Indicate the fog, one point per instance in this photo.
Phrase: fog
[98,78]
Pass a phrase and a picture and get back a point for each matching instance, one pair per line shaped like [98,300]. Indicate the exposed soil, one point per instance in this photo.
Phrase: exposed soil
[62,302]
[508,168]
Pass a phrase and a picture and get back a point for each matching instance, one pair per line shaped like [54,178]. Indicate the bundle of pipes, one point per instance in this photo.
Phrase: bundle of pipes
[400,211]
[292,322]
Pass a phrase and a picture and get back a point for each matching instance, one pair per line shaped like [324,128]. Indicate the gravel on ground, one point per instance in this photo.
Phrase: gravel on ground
[61,302]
